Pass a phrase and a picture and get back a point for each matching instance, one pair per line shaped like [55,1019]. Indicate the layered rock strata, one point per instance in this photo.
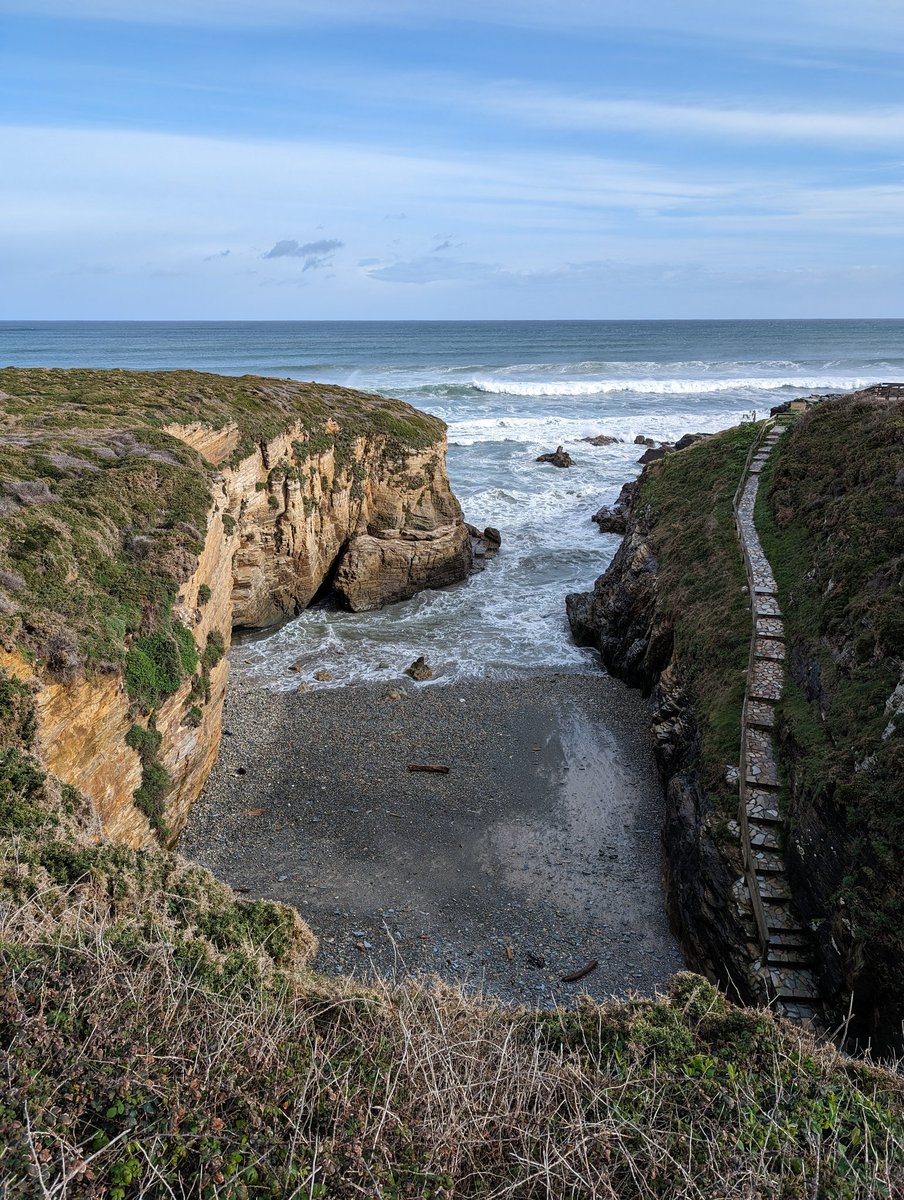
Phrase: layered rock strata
[371,518]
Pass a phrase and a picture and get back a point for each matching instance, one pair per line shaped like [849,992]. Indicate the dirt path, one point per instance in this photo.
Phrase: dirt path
[538,852]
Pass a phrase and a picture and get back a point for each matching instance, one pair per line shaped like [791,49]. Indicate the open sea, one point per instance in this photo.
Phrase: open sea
[508,390]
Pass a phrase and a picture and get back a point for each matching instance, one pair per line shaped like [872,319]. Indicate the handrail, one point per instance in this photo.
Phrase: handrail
[756,900]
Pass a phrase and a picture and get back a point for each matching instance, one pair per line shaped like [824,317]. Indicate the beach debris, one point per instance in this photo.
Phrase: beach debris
[535,960]
[241,770]
[241,891]
[428,768]
[359,933]
[253,812]
[323,676]
[509,952]
[585,970]
[389,813]
[558,458]
[392,694]
[420,670]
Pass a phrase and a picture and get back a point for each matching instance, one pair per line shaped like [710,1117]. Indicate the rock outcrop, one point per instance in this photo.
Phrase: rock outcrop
[557,458]
[625,618]
[297,502]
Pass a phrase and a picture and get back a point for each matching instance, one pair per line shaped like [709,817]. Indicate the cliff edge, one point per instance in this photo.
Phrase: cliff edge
[143,516]
[671,616]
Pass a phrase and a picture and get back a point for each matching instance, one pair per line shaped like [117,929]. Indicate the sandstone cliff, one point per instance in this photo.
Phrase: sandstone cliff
[153,541]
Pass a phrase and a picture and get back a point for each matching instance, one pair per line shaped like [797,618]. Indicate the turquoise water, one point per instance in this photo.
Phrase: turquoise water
[508,391]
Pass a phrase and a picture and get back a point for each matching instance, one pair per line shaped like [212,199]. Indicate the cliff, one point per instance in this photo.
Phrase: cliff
[670,616]
[831,519]
[144,516]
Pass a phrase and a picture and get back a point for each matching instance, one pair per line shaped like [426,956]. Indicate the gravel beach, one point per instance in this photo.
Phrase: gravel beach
[538,853]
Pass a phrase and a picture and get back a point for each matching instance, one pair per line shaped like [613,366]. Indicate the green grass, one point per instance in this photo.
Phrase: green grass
[831,520]
[686,501]
[104,514]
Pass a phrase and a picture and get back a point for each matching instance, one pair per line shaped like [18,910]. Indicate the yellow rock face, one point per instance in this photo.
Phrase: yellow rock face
[275,531]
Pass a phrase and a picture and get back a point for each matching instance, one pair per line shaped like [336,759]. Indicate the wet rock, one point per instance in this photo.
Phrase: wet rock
[614,519]
[640,440]
[558,458]
[483,545]
[654,453]
[419,670]
[323,676]
[689,439]
[392,694]
[601,439]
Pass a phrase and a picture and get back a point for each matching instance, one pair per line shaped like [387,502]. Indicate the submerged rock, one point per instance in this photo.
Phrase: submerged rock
[558,458]
[601,439]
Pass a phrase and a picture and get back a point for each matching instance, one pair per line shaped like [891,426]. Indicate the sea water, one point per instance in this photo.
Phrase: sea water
[508,392]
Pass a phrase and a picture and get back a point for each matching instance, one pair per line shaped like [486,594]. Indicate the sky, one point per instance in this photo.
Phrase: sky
[406,159]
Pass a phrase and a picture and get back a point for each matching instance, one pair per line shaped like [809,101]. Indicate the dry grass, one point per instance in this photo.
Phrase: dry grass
[137,1070]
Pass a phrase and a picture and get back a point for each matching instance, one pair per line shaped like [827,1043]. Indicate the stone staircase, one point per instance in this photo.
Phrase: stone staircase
[786,944]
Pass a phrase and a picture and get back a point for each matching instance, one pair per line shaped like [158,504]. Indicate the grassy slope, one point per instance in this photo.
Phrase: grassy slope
[831,518]
[701,589]
[104,513]
[162,1038]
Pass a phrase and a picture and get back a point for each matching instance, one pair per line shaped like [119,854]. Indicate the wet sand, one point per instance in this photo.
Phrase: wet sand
[538,852]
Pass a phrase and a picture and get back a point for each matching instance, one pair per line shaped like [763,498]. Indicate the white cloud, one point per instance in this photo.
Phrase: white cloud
[869,23]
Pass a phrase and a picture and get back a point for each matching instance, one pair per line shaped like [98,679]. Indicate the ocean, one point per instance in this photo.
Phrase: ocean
[508,391]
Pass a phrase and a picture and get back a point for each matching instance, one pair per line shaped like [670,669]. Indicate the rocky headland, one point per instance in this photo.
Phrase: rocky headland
[147,515]
[164,1033]
[671,616]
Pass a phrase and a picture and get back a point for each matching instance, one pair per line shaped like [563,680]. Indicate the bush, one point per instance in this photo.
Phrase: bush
[214,650]
[204,593]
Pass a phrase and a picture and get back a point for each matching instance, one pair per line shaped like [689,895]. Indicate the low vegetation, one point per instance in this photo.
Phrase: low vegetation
[831,519]
[104,513]
[165,1038]
[686,500]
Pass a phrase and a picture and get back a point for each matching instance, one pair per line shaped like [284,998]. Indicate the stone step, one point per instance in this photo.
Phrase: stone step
[756,467]
[761,806]
[789,956]
[781,918]
[770,626]
[767,860]
[773,887]
[800,1011]
[769,647]
[760,714]
[762,836]
[792,983]
[789,939]
[767,606]
[766,681]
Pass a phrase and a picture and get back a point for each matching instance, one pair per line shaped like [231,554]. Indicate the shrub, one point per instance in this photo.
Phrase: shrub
[214,650]
[204,593]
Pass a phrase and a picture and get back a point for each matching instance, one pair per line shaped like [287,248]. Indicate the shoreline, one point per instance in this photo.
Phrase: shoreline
[536,854]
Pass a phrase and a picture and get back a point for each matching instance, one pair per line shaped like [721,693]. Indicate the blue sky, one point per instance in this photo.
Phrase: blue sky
[306,159]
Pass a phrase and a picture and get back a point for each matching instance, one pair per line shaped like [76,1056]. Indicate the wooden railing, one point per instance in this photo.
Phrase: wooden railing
[756,900]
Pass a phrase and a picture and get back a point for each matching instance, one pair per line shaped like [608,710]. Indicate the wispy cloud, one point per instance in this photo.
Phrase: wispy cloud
[561,110]
[869,23]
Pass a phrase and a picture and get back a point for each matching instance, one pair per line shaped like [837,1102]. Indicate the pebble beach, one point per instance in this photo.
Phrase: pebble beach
[535,856]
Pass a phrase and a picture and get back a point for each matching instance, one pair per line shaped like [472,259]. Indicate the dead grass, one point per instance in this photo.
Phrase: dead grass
[134,1072]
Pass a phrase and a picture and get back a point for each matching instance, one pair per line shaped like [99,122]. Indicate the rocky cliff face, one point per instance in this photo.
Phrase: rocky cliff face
[625,619]
[632,624]
[376,521]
